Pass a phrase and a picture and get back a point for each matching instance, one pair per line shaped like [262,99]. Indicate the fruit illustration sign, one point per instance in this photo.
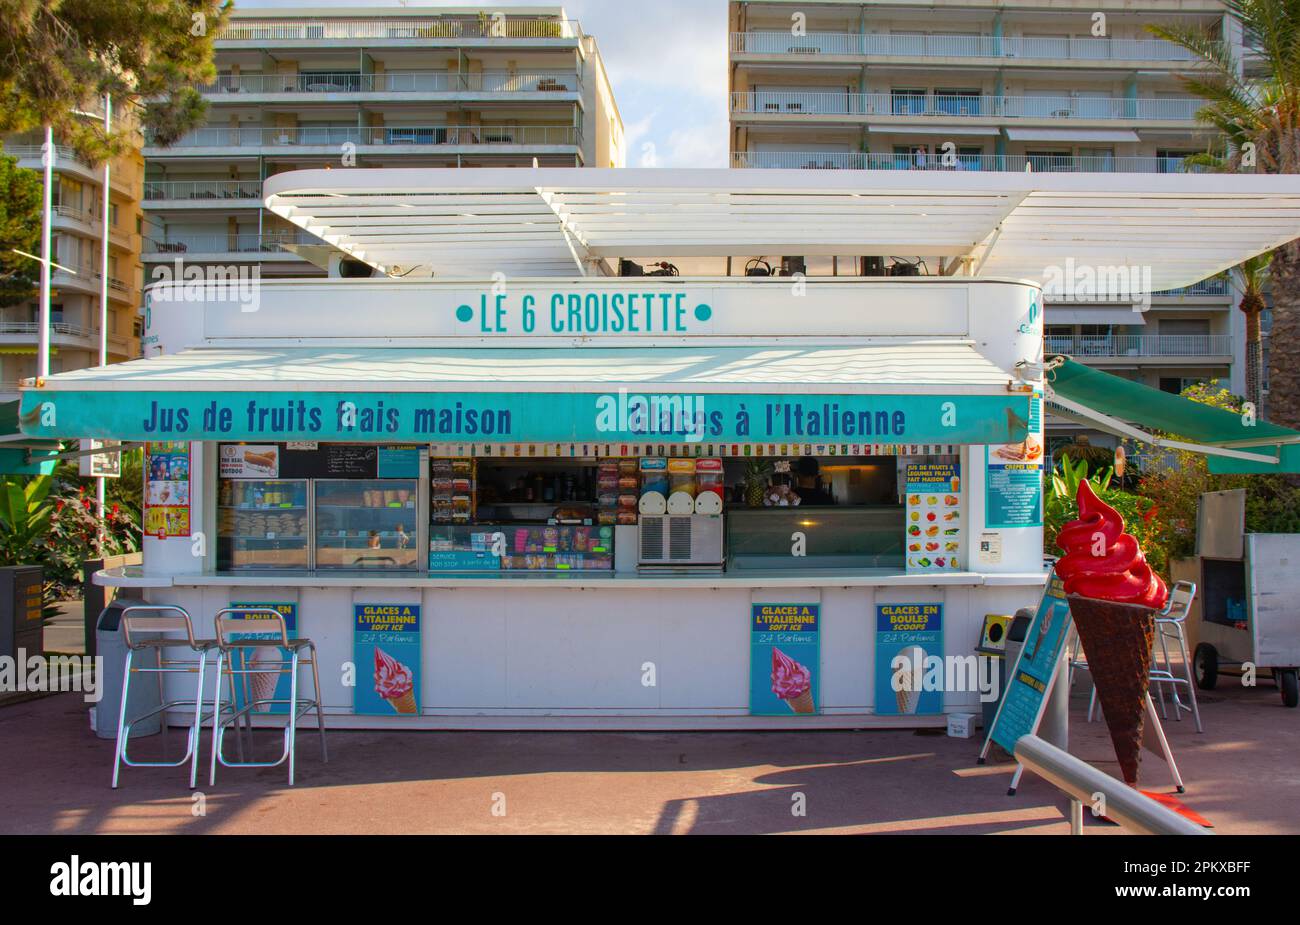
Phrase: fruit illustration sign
[386,651]
[933,519]
[909,649]
[784,659]
[273,682]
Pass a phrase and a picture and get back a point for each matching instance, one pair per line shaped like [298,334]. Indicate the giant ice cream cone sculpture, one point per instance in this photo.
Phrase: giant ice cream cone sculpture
[394,683]
[792,682]
[1113,596]
[909,686]
[261,684]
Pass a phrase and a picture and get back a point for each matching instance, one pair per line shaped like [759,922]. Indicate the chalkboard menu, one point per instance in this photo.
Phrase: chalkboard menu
[330,461]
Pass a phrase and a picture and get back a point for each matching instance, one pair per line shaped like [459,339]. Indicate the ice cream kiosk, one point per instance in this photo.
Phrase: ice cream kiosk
[706,501]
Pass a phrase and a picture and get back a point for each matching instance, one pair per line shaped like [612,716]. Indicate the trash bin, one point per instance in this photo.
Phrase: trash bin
[1015,642]
[111,648]
[22,626]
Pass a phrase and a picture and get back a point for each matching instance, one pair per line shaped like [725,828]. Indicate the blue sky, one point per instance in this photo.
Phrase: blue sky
[667,60]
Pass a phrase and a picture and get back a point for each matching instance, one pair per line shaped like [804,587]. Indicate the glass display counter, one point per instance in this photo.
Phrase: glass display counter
[262,524]
[533,547]
[835,537]
[366,524]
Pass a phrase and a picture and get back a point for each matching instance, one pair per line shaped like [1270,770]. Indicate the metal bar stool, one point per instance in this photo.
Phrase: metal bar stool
[1169,628]
[144,619]
[238,637]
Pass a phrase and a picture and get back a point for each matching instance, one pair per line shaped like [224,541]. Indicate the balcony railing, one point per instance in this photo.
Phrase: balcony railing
[1140,345]
[843,103]
[155,190]
[34,327]
[857,160]
[1204,287]
[386,136]
[399,82]
[782,43]
[271,242]
[33,152]
[296,29]
[77,214]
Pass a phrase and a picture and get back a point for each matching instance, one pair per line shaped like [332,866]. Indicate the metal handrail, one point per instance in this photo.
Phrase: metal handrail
[781,42]
[964,105]
[926,160]
[246,29]
[553,81]
[1140,345]
[382,136]
[1083,783]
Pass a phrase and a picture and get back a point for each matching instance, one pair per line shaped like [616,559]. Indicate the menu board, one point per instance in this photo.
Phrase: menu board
[908,638]
[167,489]
[331,461]
[386,651]
[1013,493]
[784,659]
[1031,676]
[933,517]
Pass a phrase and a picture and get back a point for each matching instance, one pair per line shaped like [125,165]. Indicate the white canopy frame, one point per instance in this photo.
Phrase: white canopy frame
[1182,228]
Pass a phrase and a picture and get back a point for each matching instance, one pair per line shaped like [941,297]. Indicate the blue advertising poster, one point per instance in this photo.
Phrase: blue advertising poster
[386,651]
[914,631]
[273,683]
[784,659]
[1032,673]
[1013,479]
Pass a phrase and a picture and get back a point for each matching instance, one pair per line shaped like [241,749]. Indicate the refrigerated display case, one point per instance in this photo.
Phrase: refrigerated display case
[262,524]
[557,547]
[367,523]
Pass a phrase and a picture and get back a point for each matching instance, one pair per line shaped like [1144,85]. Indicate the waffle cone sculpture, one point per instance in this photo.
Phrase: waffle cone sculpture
[1114,596]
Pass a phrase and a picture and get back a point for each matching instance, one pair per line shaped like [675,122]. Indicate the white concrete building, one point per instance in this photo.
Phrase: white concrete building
[362,88]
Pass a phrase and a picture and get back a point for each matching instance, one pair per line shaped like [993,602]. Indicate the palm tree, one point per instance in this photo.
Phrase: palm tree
[1250,277]
[1259,118]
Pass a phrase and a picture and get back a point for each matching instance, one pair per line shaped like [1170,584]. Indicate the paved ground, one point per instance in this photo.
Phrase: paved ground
[1241,774]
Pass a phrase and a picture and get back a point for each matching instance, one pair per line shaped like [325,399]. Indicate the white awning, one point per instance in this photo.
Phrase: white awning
[1080,135]
[1181,228]
[1108,315]
[890,365]
[952,132]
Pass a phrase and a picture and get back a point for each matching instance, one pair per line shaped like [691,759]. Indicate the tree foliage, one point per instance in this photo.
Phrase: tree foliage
[58,57]
[20,228]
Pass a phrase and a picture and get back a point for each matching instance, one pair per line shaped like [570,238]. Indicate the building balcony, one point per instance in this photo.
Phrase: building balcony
[192,194]
[87,281]
[66,160]
[357,87]
[229,247]
[62,334]
[909,108]
[781,45]
[1212,348]
[328,139]
[258,32]
[1015,163]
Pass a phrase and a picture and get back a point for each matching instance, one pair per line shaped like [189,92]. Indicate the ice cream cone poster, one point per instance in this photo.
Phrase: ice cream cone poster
[909,659]
[386,651]
[167,489]
[267,680]
[932,518]
[1013,478]
[785,659]
[1032,674]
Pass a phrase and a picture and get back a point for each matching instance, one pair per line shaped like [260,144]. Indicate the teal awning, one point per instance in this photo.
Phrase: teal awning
[1233,442]
[887,390]
[19,453]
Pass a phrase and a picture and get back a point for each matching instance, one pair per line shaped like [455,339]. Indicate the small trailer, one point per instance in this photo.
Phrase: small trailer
[1246,611]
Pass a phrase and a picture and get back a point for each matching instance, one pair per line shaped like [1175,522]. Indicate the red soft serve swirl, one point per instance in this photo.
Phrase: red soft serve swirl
[1120,574]
[392,678]
[789,678]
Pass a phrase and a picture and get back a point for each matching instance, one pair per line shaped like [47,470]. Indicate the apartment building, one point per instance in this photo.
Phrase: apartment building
[77,236]
[353,89]
[1017,85]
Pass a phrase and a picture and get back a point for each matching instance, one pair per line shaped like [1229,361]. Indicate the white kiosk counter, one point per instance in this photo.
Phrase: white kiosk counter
[455,479]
